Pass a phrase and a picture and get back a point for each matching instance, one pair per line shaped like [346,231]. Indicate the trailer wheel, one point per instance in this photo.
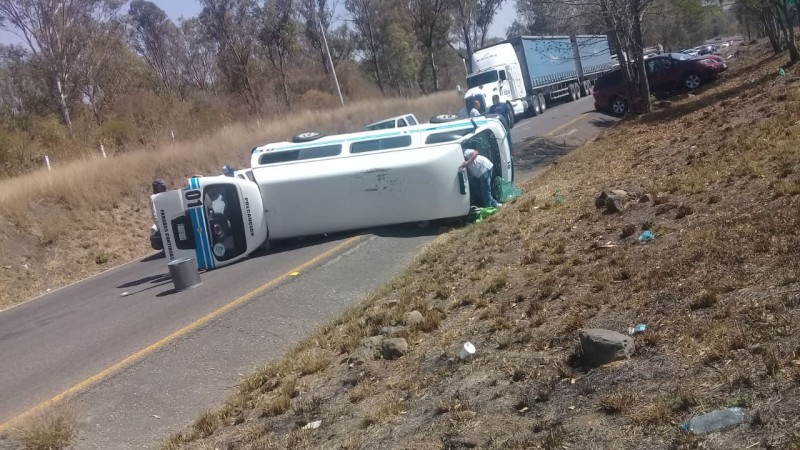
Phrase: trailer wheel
[442,118]
[307,136]
[578,93]
[572,95]
[542,102]
[537,107]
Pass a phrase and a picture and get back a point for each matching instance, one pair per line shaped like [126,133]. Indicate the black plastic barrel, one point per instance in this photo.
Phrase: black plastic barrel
[184,274]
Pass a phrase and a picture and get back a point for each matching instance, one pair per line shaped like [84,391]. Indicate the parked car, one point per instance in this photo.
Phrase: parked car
[393,122]
[723,65]
[665,73]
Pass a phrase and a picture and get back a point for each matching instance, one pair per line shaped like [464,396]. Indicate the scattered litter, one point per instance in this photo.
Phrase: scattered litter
[157,417]
[312,425]
[646,236]
[641,328]
[557,197]
[571,408]
[125,294]
[781,72]
[607,245]
[484,213]
[294,274]
[504,191]
[721,419]
[467,351]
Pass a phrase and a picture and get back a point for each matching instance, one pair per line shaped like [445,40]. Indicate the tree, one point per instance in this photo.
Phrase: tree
[233,26]
[278,39]
[368,23]
[473,18]
[155,38]
[197,56]
[56,32]
[316,16]
[109,70]
[431,22]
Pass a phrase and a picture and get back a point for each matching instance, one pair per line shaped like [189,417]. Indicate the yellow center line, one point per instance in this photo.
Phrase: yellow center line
[177,334]
[556,130]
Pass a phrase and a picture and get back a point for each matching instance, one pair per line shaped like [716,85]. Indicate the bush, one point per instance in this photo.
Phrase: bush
[317,100]
[117,133]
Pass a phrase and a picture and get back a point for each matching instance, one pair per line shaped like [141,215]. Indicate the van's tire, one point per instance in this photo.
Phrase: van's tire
[542,102]
[307,136]
[691,81]
[444,118]
[618,106]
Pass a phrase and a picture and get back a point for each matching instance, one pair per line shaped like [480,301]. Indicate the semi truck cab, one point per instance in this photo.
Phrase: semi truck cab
[496,71]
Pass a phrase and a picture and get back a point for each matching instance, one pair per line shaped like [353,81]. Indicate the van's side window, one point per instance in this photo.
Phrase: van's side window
[401,123]
[411,120]
[281,156]
[380,144]
[447,136]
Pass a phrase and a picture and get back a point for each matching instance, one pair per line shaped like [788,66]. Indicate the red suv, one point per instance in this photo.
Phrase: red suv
[665,73]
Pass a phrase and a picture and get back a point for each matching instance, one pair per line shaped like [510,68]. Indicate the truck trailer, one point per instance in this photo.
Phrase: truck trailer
[530,73]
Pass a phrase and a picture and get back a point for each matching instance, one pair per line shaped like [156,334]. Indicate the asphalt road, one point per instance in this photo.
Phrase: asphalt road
[137,361]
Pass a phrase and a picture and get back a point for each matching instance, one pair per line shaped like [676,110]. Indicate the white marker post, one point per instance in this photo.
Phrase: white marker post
[47,161]
[103,151]
[172,133]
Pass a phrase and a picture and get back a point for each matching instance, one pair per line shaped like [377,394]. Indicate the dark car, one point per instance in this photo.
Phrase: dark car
[665,73]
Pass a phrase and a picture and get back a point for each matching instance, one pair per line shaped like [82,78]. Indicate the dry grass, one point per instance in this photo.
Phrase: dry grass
[717,289]
[383,411]
[84,215]
[54,429]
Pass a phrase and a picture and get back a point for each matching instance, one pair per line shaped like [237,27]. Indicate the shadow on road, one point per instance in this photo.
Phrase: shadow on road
[153,279]
[153,257]
[536,152]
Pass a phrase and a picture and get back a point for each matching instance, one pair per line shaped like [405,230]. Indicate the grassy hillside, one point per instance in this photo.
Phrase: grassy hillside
[58,227]
[715,176]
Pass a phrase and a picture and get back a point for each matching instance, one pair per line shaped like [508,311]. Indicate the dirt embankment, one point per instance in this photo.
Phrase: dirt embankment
[714,177]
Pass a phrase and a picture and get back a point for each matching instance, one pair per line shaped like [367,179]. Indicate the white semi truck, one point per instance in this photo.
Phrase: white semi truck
[529,73]
[325,184]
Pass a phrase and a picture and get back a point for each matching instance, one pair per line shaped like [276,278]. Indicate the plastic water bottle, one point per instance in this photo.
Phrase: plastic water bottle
[720,419]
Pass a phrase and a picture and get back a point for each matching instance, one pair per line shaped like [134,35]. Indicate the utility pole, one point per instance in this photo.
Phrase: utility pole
[330,60]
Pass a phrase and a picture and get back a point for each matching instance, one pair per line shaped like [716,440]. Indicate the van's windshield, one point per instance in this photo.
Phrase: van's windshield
[482,78]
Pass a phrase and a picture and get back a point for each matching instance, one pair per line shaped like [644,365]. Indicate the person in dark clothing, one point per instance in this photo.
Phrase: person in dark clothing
[502,109]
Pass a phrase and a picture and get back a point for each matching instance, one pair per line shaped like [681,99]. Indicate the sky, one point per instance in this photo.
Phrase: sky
[190,8]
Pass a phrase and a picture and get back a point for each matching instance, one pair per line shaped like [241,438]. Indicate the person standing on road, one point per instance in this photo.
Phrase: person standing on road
[502,109]
[480,169]
[476,109]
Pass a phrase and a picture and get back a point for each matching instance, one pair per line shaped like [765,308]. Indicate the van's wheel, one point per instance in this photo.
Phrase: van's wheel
[692,81]
[442,118]
[619,106]
[308,136]
[542,102]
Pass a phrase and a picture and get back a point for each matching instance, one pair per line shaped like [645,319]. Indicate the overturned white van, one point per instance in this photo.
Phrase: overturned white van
[329,184]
